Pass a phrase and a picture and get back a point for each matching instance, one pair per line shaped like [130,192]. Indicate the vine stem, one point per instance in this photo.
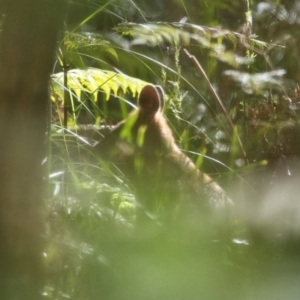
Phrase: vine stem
[218,99]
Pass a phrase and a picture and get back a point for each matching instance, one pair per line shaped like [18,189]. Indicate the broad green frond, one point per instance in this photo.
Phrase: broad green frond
[92,80]
[177,34]
[154,33]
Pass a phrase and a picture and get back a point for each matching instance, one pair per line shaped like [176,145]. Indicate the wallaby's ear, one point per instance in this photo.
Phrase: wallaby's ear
[151,99]
[161,93]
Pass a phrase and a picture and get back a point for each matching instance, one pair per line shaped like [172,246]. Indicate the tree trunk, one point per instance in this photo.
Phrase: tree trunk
[28,41]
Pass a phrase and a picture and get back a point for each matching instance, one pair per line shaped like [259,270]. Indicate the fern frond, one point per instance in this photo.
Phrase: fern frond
[73,41]
[257,83]
[178,34]
[92,80]
[153,33]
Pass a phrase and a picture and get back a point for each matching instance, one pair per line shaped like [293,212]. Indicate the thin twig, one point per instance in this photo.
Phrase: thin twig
[218,99]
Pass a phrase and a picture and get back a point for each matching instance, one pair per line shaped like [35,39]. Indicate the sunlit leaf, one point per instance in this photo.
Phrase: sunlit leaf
[92,80]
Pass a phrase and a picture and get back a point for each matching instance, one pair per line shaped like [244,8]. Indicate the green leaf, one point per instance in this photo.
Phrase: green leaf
[92,80]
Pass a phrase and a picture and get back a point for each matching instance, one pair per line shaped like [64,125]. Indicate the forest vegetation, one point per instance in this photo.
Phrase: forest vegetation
[230,75]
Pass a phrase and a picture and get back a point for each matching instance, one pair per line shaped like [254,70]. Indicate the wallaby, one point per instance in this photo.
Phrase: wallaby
[164,179]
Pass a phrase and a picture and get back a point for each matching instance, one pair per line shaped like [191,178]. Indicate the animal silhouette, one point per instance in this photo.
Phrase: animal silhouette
[165,181]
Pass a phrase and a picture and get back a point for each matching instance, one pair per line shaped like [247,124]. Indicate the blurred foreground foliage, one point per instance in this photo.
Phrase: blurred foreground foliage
[250,56]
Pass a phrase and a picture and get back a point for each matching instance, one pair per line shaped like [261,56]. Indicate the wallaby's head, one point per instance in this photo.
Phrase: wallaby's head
[144,134]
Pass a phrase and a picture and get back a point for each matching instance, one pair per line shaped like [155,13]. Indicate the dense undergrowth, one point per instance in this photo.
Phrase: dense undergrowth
[249,144]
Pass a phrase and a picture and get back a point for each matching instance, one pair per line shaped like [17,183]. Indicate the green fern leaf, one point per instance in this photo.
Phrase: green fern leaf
[74,41]
[92,80]
[178,34]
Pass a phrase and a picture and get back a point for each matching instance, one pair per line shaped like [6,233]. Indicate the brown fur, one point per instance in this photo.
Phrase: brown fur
[149,157]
